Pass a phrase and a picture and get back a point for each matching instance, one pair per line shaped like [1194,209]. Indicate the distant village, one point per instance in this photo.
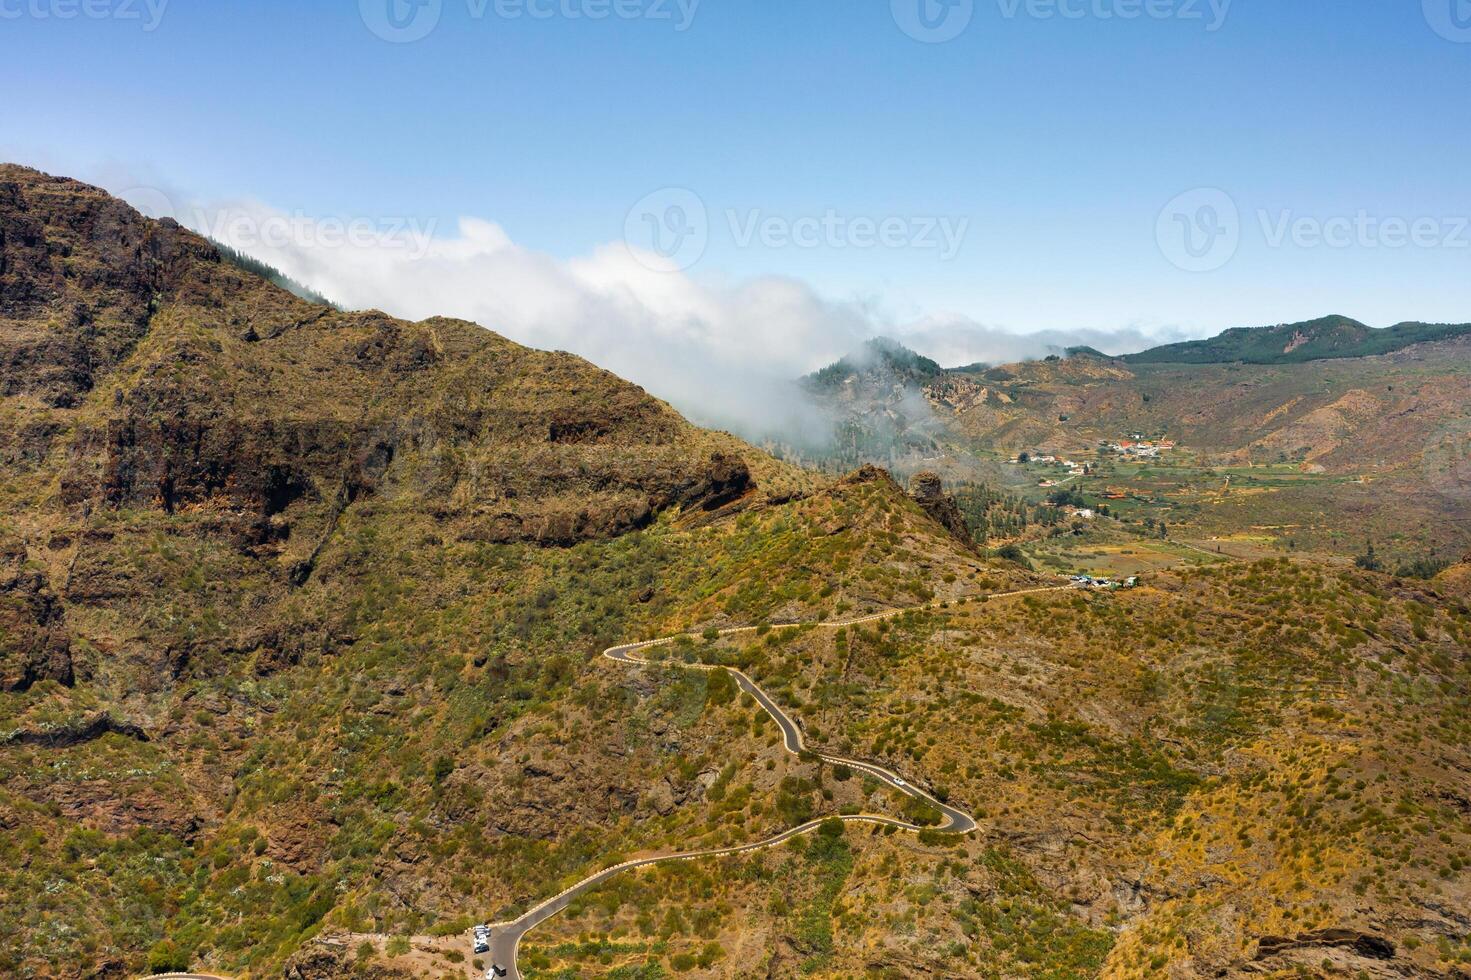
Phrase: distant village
[1140,447]
[1137,448]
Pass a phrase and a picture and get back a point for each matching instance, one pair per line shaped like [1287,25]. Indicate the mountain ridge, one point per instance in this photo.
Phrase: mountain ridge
[1327,338]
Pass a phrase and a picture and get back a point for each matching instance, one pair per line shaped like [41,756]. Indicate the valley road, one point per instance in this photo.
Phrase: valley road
[506,936]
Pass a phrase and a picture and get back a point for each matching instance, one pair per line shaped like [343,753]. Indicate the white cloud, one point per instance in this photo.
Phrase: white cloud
[957,340]
[724,353]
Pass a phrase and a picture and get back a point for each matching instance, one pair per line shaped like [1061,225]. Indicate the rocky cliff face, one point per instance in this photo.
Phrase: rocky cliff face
[928,490]
[223,392]
[150,387]
[34,644]
[78,275]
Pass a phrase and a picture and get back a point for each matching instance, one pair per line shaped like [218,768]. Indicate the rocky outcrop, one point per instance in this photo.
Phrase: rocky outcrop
[928,490]
[297,837]
[868,473]
[1361,944]
[34,644]
[329,958]
[725,480]
[76,733]
[96,804]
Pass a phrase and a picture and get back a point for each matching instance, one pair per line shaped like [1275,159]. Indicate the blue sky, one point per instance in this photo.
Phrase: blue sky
[1057,140]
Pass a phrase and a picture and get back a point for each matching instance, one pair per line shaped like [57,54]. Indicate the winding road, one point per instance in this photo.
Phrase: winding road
[506,936]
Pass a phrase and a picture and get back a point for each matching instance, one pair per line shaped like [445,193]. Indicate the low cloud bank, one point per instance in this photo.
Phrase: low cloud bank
[724,353]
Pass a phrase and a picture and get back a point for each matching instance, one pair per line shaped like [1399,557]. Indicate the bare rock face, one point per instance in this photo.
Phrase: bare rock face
[78,273]
[928,490]
[95,804]
[328,959]
[725,480]
[868,473]
[298,838]
[187,385]
[34,644]
[317,962]
[927,487]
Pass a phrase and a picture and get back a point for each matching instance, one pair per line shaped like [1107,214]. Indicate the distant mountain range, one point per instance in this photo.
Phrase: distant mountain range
[1328,338]
[1294,343]
[1371,409]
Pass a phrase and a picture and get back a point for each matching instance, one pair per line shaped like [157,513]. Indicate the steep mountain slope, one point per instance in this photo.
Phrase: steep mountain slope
[281,587]
[153,386]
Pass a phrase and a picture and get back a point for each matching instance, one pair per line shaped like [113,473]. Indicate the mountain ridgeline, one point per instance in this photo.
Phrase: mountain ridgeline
[1296,343]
